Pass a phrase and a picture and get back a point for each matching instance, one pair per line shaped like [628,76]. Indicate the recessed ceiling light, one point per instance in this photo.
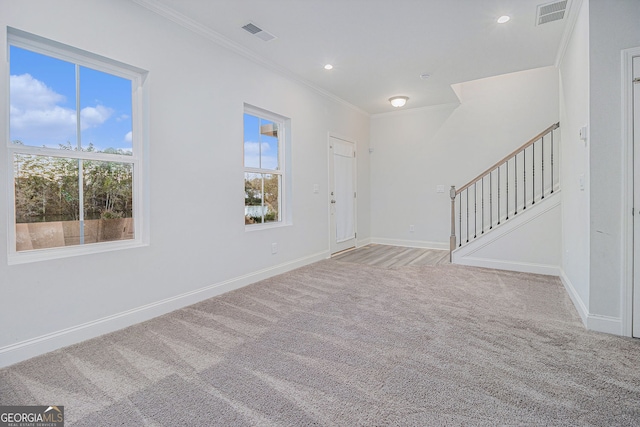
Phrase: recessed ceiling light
[425,76]
[503,19]
[328,67]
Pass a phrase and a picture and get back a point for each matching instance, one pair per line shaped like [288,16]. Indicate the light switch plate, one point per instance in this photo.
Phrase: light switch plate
[583,133]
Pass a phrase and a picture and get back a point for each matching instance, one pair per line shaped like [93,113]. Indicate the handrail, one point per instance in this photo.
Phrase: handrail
[497,212]
[509,156]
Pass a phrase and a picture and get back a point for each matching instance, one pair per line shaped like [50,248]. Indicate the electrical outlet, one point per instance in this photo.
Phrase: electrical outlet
[274,248]
[412,228]
[316,188]
[440,189]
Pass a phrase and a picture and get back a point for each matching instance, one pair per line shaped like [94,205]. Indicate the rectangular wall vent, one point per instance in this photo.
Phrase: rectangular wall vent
[551,12]
[258,32]
[252,28]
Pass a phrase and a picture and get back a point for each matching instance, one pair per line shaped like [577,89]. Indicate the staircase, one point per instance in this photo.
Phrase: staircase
[509,192]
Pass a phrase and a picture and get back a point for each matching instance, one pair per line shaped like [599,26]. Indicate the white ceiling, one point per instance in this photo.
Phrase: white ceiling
[379,48]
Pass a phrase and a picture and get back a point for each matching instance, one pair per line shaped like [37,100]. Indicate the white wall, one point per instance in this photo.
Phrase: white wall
[574,161]
[416,150]
[593,219]
[198,239]
[613,26]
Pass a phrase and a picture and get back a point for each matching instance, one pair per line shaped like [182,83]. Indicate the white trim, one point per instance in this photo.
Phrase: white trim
[363,242]
[36,255]
[593,322]
[626,291]
[605,324]
[343,138]
[83,155]
[462,255]
[35,346]
[516,221]
[72,54]
[206,32]
[427,108]
[265,226]
[581,308]
[138,158]
[284,146]
[410,243]
[523,267]
[574,10]
[330,176]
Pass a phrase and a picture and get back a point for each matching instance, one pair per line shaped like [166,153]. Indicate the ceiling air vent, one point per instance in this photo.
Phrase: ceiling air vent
[258,32]
[551,12]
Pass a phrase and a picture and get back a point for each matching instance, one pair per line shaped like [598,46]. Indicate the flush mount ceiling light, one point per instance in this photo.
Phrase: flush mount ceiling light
[328,67]
[398,101]
[425,76]
[503,19]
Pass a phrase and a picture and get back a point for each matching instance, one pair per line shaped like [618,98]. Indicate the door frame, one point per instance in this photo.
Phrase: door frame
[627,291]
[355,184]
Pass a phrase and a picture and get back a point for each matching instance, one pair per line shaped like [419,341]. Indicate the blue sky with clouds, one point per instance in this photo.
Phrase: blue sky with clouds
[260,150]
[43,103]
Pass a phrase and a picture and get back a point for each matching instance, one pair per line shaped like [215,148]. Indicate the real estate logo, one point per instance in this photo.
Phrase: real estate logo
[31,416]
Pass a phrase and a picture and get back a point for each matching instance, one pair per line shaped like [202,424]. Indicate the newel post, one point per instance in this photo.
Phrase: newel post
[452,239]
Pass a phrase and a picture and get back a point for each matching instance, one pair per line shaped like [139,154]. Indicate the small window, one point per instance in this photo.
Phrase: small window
[74,147]
[264,136]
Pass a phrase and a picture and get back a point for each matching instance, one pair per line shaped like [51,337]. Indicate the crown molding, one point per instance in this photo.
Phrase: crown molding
[417,110]
[206,32]
[574,10]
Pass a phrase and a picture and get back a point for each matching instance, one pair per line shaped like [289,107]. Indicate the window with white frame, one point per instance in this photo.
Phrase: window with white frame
[74,148]
[264,136]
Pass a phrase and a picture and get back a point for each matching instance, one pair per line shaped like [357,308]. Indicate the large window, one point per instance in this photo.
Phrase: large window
[264,136]
[74,147]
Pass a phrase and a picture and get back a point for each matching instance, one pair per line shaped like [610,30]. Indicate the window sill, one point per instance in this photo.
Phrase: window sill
[257,227]
[37,255]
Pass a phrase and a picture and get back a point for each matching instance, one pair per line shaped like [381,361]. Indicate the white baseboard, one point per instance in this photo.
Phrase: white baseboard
[593,322]
[411,243]
[606,324]
[523,267]
[575,298]
[23,350]
[483,240]
[363,242]
[531,263]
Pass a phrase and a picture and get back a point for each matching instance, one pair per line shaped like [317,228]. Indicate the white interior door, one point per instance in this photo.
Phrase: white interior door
[342,194]
[636,198]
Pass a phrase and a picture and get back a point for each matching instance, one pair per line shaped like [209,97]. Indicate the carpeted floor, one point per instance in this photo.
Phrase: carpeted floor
[393,256]
[344,344]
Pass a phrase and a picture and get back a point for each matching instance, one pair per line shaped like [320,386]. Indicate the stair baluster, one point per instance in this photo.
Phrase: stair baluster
[490,200]
[542,164]
[482,200]
[507,186]
[515,179]
[533,173]
[504,178]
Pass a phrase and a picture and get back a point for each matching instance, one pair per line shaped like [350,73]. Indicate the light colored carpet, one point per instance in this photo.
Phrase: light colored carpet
[345,344]
[393,256]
